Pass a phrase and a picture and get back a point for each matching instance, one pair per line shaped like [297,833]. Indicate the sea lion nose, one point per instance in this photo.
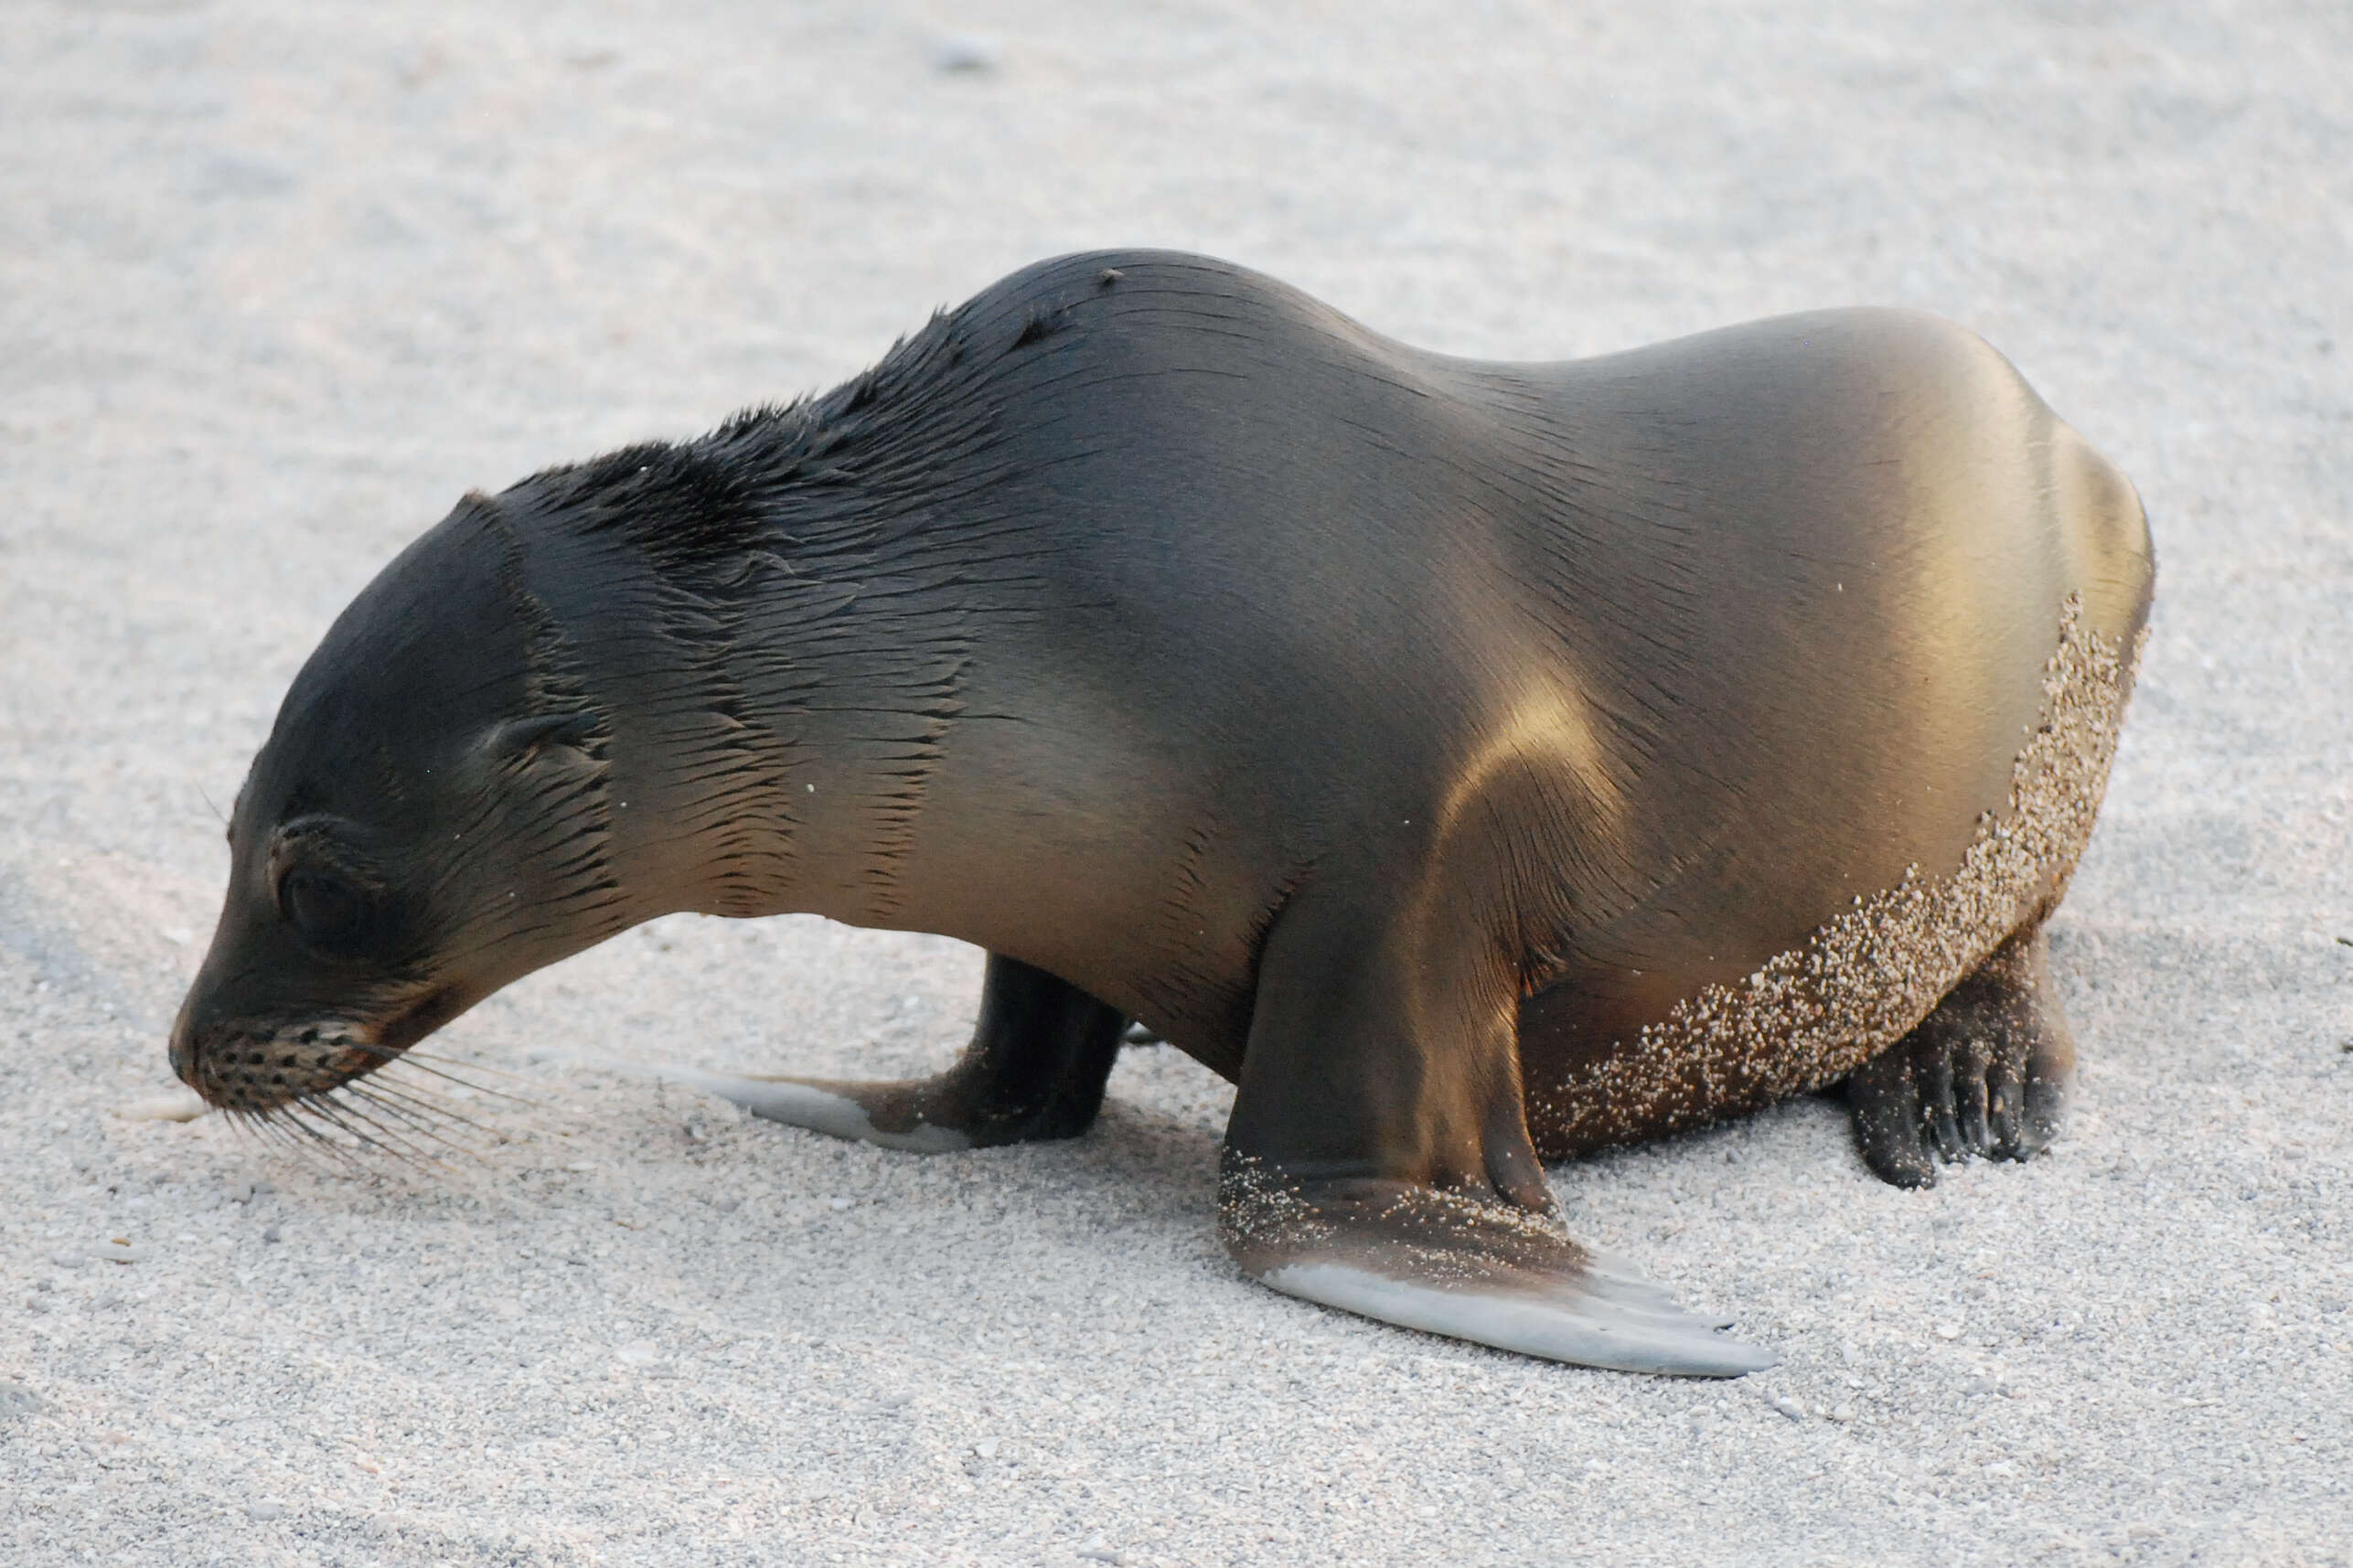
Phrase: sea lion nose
[188,1030]
[183,1051]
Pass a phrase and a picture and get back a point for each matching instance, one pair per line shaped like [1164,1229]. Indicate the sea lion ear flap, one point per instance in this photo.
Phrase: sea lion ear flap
[521,739]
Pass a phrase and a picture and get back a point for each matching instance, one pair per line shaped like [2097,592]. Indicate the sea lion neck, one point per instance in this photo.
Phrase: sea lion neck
[776,655]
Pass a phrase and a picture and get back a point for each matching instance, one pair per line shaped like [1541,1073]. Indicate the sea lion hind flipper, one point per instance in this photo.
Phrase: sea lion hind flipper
[1040,1050]
[837,1110]
[1985,1073]
[1378,1158]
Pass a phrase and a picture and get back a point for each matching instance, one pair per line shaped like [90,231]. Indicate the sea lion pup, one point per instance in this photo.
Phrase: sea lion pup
[1474,762]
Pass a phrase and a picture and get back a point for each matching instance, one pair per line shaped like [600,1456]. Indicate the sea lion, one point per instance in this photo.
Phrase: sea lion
[1475,762]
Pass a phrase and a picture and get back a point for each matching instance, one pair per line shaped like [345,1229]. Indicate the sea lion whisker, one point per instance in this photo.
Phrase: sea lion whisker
[424,1110]
[422,1096]
[372,1136]
[293,1121]
[304,1144]
[440,1067]
[260,1126]
[416,1054]
[417,1106]
[412,1116]
[252,1123]
[322,1106]
[420,1126]
[244,1123]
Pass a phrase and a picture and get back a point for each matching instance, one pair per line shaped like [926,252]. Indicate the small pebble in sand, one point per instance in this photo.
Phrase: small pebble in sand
[1785,1405]
[271,1234]
[264,1512]
[965,56]
[15,1399]
[171,1106]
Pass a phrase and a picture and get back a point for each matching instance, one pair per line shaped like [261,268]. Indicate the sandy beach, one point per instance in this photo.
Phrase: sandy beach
[279,283]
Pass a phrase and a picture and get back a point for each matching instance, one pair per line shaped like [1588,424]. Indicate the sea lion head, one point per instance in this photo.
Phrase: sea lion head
[425,822]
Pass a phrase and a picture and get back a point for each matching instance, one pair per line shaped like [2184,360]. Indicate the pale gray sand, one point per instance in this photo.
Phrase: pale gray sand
[277,283]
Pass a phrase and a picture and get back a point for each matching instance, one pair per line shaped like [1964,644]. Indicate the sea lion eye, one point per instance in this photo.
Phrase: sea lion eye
[323,909]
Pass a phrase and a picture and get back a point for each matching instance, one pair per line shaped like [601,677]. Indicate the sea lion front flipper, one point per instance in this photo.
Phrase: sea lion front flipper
[1378,1158]
[1448,1264]
[1040,1050]
[1985,1073]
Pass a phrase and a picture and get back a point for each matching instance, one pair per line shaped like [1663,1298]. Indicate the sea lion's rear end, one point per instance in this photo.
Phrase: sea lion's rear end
[1468,760]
